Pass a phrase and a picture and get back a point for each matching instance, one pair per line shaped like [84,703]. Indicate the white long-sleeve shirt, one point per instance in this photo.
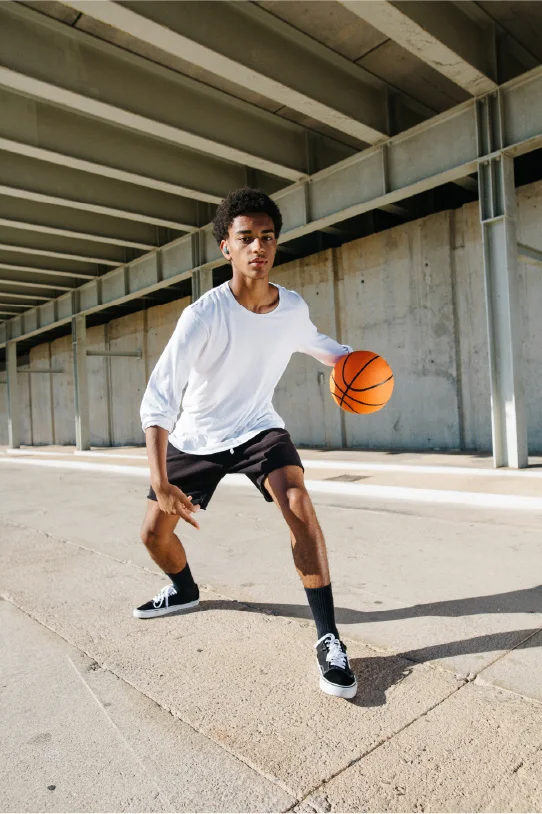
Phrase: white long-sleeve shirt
[230,360]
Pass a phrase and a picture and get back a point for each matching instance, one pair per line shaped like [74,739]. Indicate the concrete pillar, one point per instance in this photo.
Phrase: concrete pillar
[498,219]
[202,281]
[14,408]
[80,381]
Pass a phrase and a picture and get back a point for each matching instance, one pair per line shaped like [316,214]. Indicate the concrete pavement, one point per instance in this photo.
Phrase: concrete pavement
[219,709]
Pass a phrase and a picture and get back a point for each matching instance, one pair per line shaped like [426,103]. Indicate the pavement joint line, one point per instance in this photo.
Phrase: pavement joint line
[117,730]
[379,492]
[477,677]
[381,743]
[174,713]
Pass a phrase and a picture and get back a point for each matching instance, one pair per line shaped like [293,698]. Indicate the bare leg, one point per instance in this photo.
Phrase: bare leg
[287,488]
[162,544]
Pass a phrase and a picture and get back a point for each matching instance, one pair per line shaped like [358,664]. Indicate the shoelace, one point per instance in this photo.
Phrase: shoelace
[335,655]
[163,596]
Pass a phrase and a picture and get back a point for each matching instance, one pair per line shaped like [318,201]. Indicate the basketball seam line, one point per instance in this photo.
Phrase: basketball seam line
[362,389]
[354,379]
[356,401]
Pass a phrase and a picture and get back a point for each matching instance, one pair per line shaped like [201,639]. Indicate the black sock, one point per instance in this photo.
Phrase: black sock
[185,585]
[321,605]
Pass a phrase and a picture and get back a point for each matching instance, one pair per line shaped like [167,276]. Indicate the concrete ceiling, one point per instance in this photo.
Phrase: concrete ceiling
[124,124]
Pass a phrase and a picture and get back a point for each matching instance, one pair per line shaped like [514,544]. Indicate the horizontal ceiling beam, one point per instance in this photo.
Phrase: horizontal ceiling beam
[437,33]
[76,191]
[22,83]
[85,206]
[36,129]
[53,62]
[66,160]
[24,284]
[307,76]
[49,272]
[10,295]
[434,153]
[48,230]
[59,255]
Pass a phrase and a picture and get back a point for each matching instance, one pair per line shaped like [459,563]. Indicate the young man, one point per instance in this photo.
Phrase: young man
[230,349]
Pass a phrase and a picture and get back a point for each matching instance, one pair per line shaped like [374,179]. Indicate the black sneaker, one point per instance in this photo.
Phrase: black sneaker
[166,601]
[336,677]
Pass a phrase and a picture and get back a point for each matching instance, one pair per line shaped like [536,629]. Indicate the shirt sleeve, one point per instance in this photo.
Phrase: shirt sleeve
[316,344]
[162,399]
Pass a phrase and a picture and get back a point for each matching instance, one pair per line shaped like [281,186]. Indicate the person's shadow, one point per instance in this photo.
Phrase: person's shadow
[378,673]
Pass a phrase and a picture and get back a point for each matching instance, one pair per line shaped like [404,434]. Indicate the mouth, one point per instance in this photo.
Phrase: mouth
[258,263]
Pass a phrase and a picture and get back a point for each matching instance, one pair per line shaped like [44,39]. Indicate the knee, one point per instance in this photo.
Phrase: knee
[150,538]
[296,500]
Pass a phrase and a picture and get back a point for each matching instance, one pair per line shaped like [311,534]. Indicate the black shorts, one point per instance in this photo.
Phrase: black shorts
[199,475]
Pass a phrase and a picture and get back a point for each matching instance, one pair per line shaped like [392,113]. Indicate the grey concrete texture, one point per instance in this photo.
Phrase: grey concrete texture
[436,764]
[413,294]
[219,709]
[103,745]
[246,680]
[450,586]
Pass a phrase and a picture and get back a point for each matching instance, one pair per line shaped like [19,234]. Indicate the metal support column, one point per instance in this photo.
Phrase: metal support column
[498,220]
[202,281]
[80,380]
[14,408]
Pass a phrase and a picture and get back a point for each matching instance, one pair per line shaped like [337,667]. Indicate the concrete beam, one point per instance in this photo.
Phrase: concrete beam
[437,33]
[436,152]
[307,77]
[89,206]
[22,284]
[50,230]
[47,272]
[58,255]
[65,160]
[134,93]
[80,381]
[38,182]
[23,296]
[14,408]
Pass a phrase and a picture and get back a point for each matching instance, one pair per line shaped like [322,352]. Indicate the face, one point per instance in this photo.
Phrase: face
[251,245]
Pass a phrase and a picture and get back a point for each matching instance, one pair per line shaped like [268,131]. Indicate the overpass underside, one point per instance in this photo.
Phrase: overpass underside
[123,125]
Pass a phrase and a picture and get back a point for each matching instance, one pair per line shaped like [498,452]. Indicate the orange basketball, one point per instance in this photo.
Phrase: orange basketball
[361,382]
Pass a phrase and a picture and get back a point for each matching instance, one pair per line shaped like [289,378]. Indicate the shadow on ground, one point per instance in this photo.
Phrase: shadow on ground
[377,674]
[527,600]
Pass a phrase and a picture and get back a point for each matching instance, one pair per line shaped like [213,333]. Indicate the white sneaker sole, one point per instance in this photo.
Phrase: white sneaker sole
[150,614]
[336,690]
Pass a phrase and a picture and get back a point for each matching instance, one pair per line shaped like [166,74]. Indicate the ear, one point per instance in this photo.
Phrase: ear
[224,249]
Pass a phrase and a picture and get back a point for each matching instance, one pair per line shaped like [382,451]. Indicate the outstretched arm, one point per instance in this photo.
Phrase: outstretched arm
[322,347]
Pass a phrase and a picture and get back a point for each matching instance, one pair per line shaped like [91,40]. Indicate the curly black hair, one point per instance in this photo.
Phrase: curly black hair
[244,201]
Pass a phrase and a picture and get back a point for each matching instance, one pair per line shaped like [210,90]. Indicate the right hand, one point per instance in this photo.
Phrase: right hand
[173,500]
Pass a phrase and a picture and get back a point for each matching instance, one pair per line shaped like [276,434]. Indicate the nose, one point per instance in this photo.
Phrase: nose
[257,245]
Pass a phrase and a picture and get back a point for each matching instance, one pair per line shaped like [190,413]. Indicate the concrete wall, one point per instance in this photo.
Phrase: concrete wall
[414,294]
